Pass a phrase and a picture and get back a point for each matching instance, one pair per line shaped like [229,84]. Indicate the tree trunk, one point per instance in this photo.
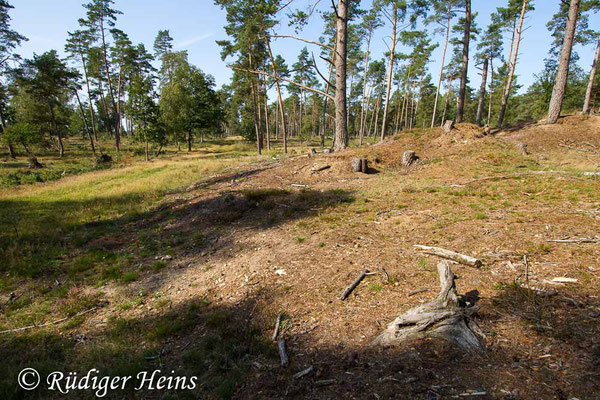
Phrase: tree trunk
[447,100]
[11,150]
[439,86]
[341,129]
[391,70]
[362,107]
[558,93]
[484,73]
[279,100]
[110,87]
[377,108]
[489,116]
[85,122]
[588,92]
[61,147]
[512,67]
[324,126]
[255,107]
[462,91]
[189,140]
[89,93]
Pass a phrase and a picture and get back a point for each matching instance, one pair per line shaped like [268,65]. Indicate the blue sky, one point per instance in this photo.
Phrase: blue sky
[195,25]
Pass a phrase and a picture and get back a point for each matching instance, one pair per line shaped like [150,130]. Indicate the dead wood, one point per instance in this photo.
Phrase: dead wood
[48,323]
[354,284]
[408,158]
[277,325]
[417,291]
[448,126]
[33,163]
[359,165]
[445,318]
[581,240]
[450,255]
[282,353]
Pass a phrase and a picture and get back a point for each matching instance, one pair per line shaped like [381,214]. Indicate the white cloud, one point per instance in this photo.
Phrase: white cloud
[192,41]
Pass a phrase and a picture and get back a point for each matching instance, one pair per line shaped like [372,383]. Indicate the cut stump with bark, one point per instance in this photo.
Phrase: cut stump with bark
[359,165]
[448,126]
[33,163]
[446,317]
[408,158]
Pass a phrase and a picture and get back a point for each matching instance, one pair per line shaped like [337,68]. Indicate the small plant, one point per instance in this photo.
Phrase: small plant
[129,277]
[321,244]
[375,287]
[300,239]
[158,265]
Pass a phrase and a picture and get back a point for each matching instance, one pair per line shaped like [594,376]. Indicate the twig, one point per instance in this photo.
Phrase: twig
[277,324]
[422,290]
[526,268]
[304,372]
[354,284]
[48,323]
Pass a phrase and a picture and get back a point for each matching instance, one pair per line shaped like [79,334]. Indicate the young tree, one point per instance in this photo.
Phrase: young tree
[558,92]
[47,78]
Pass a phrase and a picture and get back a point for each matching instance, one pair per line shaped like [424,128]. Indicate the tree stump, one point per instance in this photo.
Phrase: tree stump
[487,130]
[446,317]
[359,165]
[311,152]
[448,126]
[522,147]
[409,157]
[33,163]
[327,151]
[103,159]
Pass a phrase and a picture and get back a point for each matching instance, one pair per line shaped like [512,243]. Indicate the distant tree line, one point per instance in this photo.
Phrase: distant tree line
[107,87]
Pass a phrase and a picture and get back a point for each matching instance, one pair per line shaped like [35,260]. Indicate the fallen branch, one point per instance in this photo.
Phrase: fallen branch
[581,240]
[276,331]
[354,284]
[58,321]
[282,353]
[450,255]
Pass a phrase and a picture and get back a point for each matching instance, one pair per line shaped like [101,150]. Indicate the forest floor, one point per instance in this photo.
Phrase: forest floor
[185,264]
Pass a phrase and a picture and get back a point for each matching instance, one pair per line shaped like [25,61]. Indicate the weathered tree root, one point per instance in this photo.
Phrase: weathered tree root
[443,318]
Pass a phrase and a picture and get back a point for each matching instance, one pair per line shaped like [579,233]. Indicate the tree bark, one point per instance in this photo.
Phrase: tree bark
[484,73]
[255,107]
[324,125]
[462,91]
[110,87]
[588,92]
[391,70]
[560,85]
[511,74]
[341,128]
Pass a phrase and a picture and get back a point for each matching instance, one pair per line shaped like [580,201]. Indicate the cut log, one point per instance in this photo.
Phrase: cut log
[318,168]
[443,318]
[450,255]
[282,353]
[448,126]
[359,165]
[354,284]
[409,157]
